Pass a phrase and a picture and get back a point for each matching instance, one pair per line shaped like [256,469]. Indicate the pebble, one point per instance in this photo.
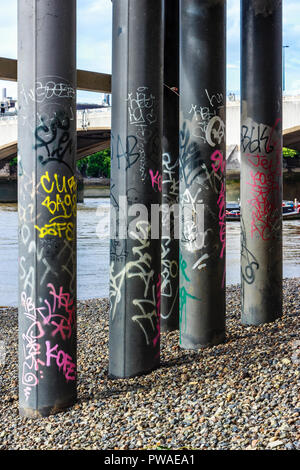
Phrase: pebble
[242,394]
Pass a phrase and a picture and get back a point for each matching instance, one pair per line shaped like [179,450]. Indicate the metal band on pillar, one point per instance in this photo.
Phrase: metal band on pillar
[170,180]
[135,279]
[261,161]
[47,205]
[202,172]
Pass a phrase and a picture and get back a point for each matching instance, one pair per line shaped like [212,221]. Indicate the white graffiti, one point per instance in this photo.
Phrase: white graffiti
[51,89]
[212,178]
[215,131]
[206,123]
[169,269]
[141,107]
[215,99]
[199,264]
[139,269]
[192,220]
[142,114]
[169,173]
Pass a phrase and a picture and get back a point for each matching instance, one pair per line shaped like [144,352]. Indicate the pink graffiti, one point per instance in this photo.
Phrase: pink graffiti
[51,313]
[62,359]
[264,183]
[222,221]
[217,157]
[66,302]
[48,312]
[156,180]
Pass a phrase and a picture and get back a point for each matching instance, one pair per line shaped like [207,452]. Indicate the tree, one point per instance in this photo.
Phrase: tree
[82,165]
[13,162]
[95,165]
[289,153]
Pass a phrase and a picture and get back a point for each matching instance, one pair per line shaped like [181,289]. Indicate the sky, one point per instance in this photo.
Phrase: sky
[94,20]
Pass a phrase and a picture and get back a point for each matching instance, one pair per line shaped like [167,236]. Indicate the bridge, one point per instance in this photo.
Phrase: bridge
[93,127]
[93,134]
[93,131]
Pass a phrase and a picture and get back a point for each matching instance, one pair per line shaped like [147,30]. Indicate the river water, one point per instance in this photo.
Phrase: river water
[93,253]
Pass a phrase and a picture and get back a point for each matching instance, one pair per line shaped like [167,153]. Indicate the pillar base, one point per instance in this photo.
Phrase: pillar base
[217,338]
[255,322]
[46,411]
[164,328]
[131,376]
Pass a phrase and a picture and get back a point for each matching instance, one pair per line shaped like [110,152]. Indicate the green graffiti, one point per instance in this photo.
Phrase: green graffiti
[183,266]
[183,296]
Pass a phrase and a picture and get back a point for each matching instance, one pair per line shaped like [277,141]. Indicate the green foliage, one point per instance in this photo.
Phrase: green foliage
[95,165]
[82,165]
[289,153]
[13,161]
[93,168]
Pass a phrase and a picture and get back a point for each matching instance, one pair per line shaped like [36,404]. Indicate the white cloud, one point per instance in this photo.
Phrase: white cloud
[233,20]
[103,7]
[94,26]
[96,58]
[291,11]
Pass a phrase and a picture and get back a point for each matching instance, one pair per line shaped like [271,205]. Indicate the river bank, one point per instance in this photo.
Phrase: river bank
[93,252]
[100,187]
[243,394]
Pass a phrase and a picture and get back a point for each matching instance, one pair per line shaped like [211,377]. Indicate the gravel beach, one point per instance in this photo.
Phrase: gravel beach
[243,394]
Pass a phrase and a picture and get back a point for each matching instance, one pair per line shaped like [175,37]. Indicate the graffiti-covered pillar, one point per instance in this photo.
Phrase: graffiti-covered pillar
[136,180]
[261,161]
[170,176]
[202,172]
[47,205]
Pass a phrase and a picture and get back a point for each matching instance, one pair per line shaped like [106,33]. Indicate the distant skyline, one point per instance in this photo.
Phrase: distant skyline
[94,30]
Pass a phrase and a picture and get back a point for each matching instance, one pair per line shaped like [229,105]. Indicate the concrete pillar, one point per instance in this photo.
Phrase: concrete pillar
[202,154]
[170,180]
[47,205]
[261,161]
[135,279]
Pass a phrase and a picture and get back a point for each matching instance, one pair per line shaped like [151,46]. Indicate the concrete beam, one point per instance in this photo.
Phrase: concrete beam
[8,151]
[291,138]
[89,81]
[88,142]
[92,141]
[8,69]
[93,81]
